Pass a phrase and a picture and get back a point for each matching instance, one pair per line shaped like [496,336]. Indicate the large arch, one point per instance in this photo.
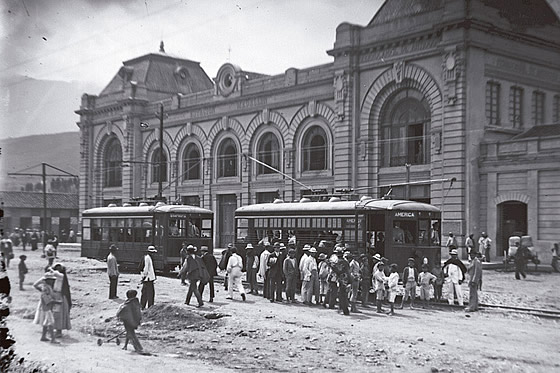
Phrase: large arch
[184,135]
[152,137]
[229,125]
[310,110]
[272,117]
[512,196]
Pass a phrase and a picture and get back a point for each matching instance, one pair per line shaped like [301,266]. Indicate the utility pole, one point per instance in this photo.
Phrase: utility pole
[43,175]
[160,183]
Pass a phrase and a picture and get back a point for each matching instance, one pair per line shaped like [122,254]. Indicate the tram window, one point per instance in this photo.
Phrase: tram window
[193,227]
[243,223]
[95,230]
[424,232]
[86,223]
[435,233]
[175,228]
[404,231]
[242,234]
[87,233]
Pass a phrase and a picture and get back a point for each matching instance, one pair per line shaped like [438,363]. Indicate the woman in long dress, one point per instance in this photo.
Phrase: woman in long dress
[62,287]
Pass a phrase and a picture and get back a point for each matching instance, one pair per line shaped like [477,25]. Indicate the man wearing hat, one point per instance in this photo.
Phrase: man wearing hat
[356,279]
[302,264]
[223,263]
[339,280]
[22,270]
[311,277]
[263,269]
[112,271]
[191,270]
[324,271]
[183,253]
[148,277]
[366,279]
[211,266]
[454,274]
[252,260]
[274,275]
[291,274]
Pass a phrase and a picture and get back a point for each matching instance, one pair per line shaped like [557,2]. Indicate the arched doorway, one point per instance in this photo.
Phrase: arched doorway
[512,218]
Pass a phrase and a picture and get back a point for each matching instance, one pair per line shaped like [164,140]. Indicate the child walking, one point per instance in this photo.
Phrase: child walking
[44,315]
[131,315]
[410,279]
[393,283]
[425,279]
[22,269]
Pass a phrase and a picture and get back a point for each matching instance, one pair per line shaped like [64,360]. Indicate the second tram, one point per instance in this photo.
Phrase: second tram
[396,229]
[133,228]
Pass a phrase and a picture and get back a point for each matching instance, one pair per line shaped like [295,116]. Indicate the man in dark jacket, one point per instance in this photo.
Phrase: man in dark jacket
[275,274]
[211,266]
[521,257]
[130,314]
[191,270]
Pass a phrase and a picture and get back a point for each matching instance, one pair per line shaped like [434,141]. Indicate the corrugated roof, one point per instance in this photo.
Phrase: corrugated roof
[161,72]
[35,200]
[540,131]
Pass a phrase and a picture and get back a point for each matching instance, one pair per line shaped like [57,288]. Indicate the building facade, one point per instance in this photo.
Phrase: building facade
[427,92]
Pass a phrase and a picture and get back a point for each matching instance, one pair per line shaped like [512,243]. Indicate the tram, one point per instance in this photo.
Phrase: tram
[396,229]
[133,228]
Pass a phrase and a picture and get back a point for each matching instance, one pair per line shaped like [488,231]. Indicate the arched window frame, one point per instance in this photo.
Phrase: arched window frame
[191,168]
[112,164]
[154,166]
[405,141]
[308,154]
[268,133]
[227,165]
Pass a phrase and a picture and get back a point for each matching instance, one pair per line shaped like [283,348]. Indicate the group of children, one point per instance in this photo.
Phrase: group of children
[386,287]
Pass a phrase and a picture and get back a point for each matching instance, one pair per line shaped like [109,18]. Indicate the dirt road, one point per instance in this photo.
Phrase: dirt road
[260,336]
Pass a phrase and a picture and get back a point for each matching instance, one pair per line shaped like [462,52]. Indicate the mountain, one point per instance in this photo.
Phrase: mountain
[31,106]
[25,154]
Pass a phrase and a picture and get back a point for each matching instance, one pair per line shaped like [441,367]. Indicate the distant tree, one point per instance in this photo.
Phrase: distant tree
[38,187]
[29,187]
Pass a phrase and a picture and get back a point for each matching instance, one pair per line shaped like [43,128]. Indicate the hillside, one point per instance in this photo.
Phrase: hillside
[61,150]
[32,106]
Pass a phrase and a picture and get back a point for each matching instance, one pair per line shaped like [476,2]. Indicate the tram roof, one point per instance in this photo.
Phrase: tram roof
[145,210]
[369,205]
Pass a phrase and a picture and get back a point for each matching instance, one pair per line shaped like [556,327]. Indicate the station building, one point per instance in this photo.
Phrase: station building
[425,93]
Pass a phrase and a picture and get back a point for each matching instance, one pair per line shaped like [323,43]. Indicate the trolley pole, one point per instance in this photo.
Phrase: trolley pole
[160,183]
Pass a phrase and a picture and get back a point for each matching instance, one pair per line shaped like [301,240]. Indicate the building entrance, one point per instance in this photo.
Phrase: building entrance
[227,204]
[512,218]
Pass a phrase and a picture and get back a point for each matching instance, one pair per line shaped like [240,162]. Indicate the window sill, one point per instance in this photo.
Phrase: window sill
[263,177]
[315,173]
[402,169]
[506,130]
[227,179]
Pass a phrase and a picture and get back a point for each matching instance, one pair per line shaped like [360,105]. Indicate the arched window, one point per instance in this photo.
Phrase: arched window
[112,165]
[268,151]
[227,158]
[156,164]
[191,163]
[405,125]
[314,149]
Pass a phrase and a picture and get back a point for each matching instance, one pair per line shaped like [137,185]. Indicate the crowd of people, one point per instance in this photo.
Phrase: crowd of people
[342,279]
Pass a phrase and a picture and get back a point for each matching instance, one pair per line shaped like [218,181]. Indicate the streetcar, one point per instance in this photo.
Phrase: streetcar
[396,229]
[133,228]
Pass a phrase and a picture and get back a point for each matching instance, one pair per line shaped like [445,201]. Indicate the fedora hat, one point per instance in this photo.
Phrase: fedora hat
[151,249]
[249,246]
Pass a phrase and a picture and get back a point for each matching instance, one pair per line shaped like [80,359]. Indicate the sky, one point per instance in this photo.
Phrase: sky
[85,41]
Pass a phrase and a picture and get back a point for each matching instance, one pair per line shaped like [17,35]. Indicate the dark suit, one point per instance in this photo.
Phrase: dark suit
[211,266]
[275,276]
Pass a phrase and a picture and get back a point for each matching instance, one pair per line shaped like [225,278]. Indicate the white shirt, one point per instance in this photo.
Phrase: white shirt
[393,281]
[233,262]
[264,263]
[302,265]
[310,265]
[148,273]
[455,274]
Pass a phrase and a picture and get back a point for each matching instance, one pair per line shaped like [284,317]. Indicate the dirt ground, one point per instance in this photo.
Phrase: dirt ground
[258,336]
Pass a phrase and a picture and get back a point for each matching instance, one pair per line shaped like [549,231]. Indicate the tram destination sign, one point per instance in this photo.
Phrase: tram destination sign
[405,215]
[178,216]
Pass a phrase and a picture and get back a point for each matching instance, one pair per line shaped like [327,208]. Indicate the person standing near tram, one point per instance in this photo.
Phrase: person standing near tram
[339,280]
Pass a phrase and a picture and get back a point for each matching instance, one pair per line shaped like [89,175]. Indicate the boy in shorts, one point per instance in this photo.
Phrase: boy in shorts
[410,279]
[425,279]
